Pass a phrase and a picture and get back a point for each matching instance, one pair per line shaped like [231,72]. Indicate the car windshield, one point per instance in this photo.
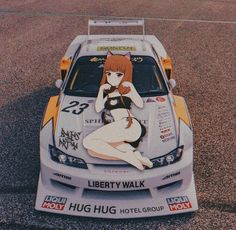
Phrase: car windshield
[85,77]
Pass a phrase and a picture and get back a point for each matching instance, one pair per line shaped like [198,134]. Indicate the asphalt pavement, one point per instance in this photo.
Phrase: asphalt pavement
[199,35]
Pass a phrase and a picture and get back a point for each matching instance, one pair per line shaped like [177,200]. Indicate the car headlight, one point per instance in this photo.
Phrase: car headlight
[62,158]
[170,158]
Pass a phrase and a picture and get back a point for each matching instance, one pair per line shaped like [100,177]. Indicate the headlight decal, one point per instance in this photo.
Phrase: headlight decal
[170,158]
[62,158]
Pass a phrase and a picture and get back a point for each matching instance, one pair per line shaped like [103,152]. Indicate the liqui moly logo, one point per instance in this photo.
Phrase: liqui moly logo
[54,202]
[178,203]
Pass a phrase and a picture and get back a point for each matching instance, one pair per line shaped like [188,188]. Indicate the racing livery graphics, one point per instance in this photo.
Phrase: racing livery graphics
[119,139]
[116,184]
[54,202]
[178,203]
[116,142]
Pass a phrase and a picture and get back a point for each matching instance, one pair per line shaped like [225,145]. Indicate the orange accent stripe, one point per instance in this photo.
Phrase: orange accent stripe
[51,111]
[181,110]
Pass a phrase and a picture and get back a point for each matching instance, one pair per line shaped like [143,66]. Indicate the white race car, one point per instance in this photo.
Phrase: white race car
[73,181]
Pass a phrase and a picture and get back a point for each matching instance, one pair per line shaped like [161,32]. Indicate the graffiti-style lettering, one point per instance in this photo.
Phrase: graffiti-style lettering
[69,139]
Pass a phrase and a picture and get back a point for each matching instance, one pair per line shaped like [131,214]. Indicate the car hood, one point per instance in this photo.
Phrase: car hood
[77,118]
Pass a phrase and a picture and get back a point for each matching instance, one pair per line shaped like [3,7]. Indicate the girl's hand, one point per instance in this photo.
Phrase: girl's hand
[105,87]
[127,84]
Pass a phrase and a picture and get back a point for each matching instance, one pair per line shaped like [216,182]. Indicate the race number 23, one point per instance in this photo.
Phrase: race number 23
[80,108]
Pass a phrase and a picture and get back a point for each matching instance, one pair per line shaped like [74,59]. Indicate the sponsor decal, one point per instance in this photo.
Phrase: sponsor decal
[104,209]
[171,175]
[142,210]
[116,184]
[161,123]
[165,130]
[160,99]
[62,176]
[166,135]
[165,124]
[93,122]
[116,48]
[168,139]
[164,115]
[178,203]
[88,208]
[54,202]
[114,171]
[69,139]
[143,121]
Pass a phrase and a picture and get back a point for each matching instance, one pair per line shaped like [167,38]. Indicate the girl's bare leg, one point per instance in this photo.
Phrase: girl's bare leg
[144,160]
[105,151]
[127,147]
[95,154]
[98,142]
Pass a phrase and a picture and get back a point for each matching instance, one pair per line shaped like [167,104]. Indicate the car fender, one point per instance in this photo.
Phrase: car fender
[184,122]
[49,122]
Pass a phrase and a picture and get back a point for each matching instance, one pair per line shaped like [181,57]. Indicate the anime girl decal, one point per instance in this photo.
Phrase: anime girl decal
[119,139]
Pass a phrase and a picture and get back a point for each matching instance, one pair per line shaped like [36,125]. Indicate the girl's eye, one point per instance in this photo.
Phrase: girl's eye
[119,74]
[108,74]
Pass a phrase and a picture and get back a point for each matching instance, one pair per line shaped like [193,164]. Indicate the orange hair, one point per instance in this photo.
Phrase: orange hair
[118,63]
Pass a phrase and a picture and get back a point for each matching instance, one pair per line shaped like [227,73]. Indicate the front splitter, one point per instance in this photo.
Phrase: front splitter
[58,201]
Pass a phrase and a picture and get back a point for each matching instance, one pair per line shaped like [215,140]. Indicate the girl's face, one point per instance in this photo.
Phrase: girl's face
[114,78]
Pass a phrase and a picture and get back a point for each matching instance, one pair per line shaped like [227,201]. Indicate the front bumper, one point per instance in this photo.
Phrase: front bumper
[116,191]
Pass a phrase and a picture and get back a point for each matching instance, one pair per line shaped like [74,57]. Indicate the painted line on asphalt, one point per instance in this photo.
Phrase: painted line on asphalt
[4,12]
[191,20]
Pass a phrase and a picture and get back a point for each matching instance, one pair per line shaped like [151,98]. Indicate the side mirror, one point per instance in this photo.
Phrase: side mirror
[64,66]
[172,83]
[58,83]
[167,64]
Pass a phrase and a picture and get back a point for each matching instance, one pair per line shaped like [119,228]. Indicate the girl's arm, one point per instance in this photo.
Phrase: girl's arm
[100,101]
[134,96]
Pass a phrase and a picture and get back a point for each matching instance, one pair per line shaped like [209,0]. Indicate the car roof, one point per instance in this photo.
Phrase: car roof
[93,45]
[100,46]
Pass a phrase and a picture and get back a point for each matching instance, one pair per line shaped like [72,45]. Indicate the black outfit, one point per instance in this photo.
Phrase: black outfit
[123,102]
[117,103]
[143,132]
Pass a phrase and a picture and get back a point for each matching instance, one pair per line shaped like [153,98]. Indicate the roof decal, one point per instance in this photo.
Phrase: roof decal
[116,48]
